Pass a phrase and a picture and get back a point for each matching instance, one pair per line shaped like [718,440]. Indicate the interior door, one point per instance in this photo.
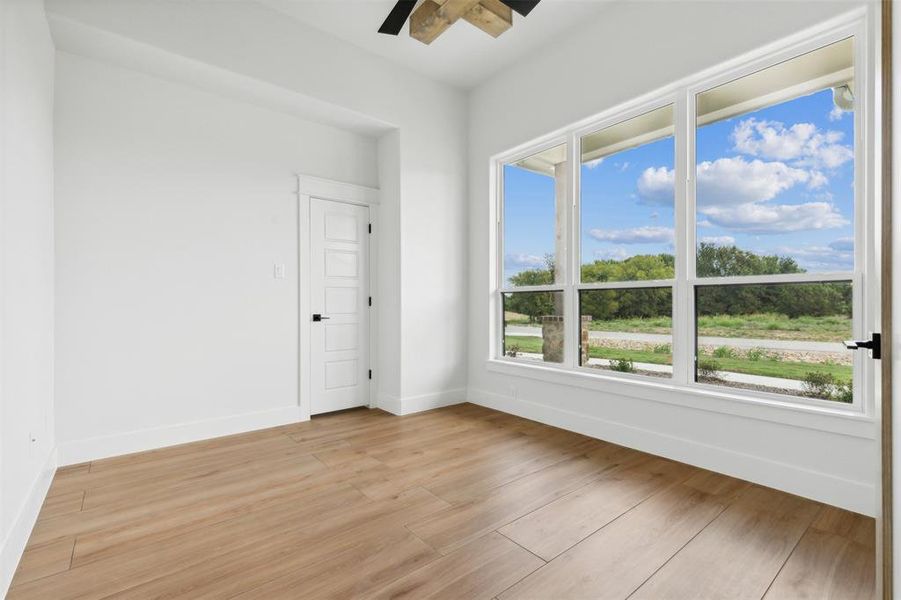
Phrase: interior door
[339,299]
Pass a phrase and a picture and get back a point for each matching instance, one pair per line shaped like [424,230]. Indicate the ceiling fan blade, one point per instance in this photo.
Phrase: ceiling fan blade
[523,7]
[397,17]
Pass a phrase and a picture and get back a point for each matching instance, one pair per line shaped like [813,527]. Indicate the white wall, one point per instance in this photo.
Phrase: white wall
[428,232]
[26,273]
[172,207]
[635,48]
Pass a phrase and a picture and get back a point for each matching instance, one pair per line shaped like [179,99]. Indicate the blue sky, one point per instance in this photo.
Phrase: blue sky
[775,181]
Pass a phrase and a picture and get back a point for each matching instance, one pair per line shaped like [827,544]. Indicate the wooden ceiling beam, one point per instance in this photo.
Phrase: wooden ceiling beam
[431,18]
[491,16]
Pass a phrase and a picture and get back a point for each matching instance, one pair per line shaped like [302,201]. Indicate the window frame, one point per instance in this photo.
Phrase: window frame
[499,285]
[574,324]
[682,96]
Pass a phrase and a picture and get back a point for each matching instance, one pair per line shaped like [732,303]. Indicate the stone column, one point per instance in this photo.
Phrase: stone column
[583,337]
[552,334]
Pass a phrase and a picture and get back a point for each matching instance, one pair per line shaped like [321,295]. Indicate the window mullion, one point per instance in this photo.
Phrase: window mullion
[570,295]
[683,306]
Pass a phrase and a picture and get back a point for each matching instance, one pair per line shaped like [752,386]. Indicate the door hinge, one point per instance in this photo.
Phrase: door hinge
[370,373]
[370,301]
[370,228]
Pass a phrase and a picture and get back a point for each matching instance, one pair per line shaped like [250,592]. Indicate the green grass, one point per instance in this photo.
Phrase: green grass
[765,366]
[759,326]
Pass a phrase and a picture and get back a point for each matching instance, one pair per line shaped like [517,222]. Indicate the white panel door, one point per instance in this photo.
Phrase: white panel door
[339,299]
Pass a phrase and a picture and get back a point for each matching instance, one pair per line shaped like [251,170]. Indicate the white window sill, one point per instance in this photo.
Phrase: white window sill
[836,420]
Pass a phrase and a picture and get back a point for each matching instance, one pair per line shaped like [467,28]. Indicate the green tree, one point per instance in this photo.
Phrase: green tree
[634,268]
[792,300]
[543,276]
[725,261]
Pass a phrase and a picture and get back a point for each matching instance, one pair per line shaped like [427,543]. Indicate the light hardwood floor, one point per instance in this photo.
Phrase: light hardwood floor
[460,502]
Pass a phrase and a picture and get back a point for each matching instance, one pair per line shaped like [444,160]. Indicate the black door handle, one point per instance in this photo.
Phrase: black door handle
[874,344]
[318,317]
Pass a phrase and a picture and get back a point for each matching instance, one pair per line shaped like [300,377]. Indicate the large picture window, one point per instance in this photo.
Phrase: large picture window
[709,239]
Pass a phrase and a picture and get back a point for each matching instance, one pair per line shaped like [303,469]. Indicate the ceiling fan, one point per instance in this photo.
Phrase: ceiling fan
[432,17]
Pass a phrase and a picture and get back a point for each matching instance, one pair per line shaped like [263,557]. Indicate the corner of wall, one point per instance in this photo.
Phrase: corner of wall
[13,545]
[420,403]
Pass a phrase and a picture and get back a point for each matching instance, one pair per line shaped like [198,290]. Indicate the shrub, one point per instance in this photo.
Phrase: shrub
[708,369]
[623,365]
[512,350]
[827,387]
[819,385]
[662,349]
[843,392]
[724,352]
[755,354]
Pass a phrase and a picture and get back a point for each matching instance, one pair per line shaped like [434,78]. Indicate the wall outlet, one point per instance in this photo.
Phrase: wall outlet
[279,271]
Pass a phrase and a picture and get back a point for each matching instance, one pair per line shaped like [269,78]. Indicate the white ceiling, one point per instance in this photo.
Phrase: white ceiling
[462,56]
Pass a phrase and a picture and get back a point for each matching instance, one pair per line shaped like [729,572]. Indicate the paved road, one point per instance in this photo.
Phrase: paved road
[656,338]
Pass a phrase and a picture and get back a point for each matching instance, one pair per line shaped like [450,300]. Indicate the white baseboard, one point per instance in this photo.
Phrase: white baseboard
[148,439]
[390,404]
[822,487]
[20,530]
[414,404]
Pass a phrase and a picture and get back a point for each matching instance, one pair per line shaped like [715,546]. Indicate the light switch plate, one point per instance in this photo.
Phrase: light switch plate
[279,271]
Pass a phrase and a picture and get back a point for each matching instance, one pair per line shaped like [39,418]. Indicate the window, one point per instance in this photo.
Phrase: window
[709,238]
[534,244]
[534,218]
[627,330]
[775,201]
[776,338]
[533,326]
[626,241]
[627,213]
[775,168]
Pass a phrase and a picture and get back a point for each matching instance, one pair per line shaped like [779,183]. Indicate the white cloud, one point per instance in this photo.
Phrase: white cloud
[729,181]
[776,218]
[735,193]
[817,180]
[802,143]
[845,244]
[819,258]
[636,235]
[718,240]
[832,156]
[837,113]
[524,261]
[591,164]
[612,254]
[655,185]
[622,166]
[738,181]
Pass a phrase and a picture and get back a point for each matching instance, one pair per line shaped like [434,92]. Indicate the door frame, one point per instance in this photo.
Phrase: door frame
[886,522]
[309,187]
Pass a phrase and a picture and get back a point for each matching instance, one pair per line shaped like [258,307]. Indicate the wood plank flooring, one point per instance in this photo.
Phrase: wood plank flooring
[460,502]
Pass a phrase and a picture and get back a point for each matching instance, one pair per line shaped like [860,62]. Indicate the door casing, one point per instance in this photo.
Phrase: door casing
[309,187]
